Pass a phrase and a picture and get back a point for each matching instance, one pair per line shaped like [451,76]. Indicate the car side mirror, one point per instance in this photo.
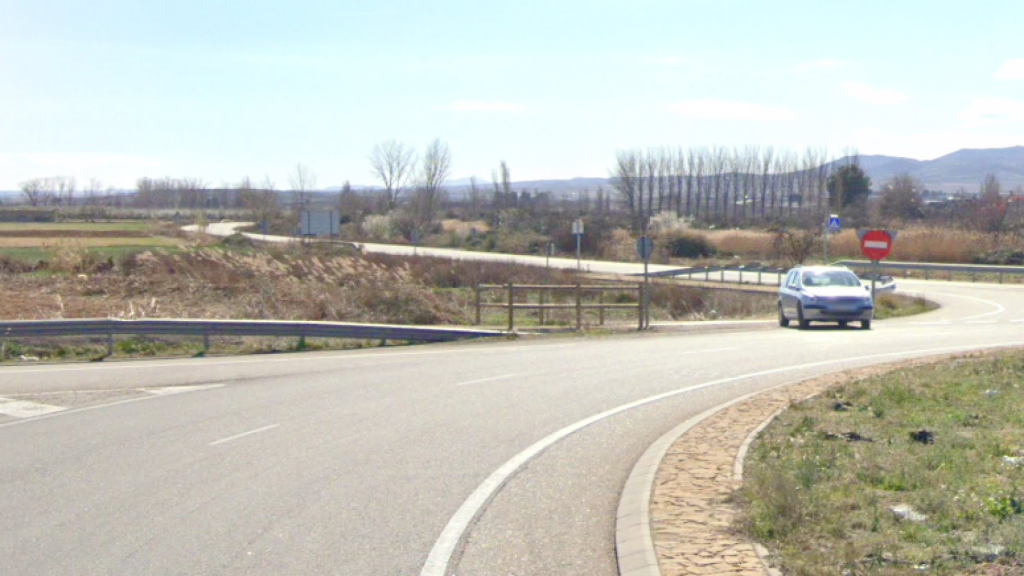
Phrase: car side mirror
[867,288]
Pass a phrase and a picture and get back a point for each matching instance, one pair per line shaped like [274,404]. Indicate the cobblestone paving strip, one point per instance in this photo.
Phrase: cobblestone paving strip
[691,512]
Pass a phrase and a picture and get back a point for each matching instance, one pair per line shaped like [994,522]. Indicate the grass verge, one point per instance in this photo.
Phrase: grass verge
[899,305]
[919,471]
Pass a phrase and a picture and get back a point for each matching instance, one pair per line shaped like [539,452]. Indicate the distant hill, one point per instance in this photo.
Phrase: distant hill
[962,169]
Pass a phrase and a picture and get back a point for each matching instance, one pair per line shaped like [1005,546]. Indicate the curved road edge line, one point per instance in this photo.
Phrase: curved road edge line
[634,545]
[455,530]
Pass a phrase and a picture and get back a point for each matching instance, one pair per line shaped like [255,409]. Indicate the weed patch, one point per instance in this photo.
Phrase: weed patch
[939,489]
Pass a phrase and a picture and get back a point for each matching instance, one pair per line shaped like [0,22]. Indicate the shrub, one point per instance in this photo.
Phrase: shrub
[688,245]
[379,226]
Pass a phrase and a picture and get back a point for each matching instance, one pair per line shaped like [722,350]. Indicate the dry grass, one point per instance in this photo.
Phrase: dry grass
[743,243]
[464,228]
[921,244]
[913,244]
[673,302]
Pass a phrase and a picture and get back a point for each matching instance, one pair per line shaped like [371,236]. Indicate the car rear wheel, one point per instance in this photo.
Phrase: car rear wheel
[865,324]
[800,320]
[842,323]
[783,321]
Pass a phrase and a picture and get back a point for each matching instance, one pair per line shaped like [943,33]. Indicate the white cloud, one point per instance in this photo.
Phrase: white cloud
[985,111]
[875,96]
[1010,70]
[724,110]
[481,106]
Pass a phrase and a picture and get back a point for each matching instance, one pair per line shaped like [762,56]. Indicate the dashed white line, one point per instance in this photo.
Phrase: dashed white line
[981,321]
[166,390]
[244,434]
[491,379]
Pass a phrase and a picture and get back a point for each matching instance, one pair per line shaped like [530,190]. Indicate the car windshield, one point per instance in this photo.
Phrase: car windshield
[829,278]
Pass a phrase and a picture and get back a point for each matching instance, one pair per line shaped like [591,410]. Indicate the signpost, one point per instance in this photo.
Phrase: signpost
[875,245]
[832,226]
[318,223]
[415,237]
[577,231]
[644,249]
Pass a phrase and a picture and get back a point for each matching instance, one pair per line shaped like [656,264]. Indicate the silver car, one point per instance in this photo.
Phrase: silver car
[824,294]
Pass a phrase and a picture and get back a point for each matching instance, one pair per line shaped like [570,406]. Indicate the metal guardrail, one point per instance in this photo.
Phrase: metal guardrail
[717,273]
[972,270]
[207,328]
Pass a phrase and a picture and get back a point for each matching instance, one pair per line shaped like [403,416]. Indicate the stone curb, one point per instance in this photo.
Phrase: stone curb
[642,508]
[634,543]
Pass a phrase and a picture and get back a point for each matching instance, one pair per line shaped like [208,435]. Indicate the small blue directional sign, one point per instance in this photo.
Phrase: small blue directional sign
[644,247]
[833,223]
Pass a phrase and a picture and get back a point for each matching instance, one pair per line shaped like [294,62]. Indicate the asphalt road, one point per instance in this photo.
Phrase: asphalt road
[362,462]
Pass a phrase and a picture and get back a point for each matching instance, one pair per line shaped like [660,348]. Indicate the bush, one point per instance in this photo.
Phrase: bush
[1001,258]
[688,245]
[379,226]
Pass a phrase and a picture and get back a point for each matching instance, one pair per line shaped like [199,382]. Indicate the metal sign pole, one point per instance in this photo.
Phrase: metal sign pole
[874,277]
[578,252]
[825,236]
[647,296]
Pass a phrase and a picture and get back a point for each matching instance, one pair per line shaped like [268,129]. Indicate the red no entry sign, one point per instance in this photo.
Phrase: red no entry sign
[875,244]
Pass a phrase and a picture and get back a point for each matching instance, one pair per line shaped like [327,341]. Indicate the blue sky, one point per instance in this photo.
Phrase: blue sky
[221,89]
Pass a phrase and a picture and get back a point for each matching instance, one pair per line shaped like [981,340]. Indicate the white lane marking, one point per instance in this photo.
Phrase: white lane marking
[441,553]
[1018,320]
[165,390]
[244,434]
[981,321]
[78,410]
[999,308]
[26,409]
[939,323]
[491,379]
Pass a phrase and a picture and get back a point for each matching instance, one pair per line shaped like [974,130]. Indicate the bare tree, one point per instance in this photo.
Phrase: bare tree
[302,182]
[93,192]
[990,187]
[35,191]
[624,180]
[434,171]
[392,163]
[503,195]
[63,189]
[901,198]
[475,200]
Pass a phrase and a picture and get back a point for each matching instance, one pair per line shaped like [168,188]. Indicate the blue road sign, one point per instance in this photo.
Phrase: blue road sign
[833,224]
[644,247]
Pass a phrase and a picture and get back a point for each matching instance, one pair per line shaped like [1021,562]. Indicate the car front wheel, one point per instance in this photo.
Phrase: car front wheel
[865,324]
[801,321]
[783,321]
